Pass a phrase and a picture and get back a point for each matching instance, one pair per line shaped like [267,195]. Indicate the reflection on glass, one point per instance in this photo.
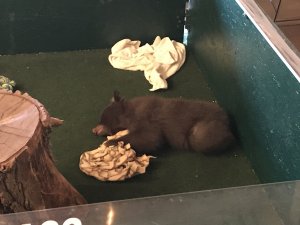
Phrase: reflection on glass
[110,216]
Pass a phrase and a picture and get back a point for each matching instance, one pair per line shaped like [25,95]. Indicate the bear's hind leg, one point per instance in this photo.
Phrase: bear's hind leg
[211,136]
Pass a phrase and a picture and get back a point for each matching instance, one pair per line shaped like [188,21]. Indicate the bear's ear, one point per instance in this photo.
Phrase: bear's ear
[117,97]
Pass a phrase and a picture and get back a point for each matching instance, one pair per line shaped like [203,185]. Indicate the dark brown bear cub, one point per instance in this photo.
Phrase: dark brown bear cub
[155,121]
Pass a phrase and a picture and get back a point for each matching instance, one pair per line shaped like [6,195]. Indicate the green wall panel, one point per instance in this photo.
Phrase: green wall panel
[59,25]
[251,81]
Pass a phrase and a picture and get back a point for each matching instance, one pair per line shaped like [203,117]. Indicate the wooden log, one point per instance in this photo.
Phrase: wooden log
[29,179]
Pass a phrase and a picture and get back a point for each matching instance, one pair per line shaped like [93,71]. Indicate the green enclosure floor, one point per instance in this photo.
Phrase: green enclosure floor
[76,86]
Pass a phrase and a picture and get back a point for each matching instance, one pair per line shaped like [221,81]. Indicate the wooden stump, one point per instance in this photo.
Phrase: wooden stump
[29,179]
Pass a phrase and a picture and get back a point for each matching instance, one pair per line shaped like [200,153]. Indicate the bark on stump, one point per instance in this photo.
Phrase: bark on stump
[29,179]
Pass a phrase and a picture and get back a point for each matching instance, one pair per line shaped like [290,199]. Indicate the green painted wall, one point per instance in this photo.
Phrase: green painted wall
[251,81]
[60,25]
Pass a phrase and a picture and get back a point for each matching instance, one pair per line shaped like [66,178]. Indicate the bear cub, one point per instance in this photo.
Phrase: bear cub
[154,122]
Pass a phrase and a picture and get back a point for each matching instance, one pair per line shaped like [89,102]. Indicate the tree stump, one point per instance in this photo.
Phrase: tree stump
[29,179]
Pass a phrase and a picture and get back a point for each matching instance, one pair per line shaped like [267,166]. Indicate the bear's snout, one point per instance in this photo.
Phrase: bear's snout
[100,130]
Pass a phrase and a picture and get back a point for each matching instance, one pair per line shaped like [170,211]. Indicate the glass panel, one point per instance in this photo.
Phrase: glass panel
[275,204]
